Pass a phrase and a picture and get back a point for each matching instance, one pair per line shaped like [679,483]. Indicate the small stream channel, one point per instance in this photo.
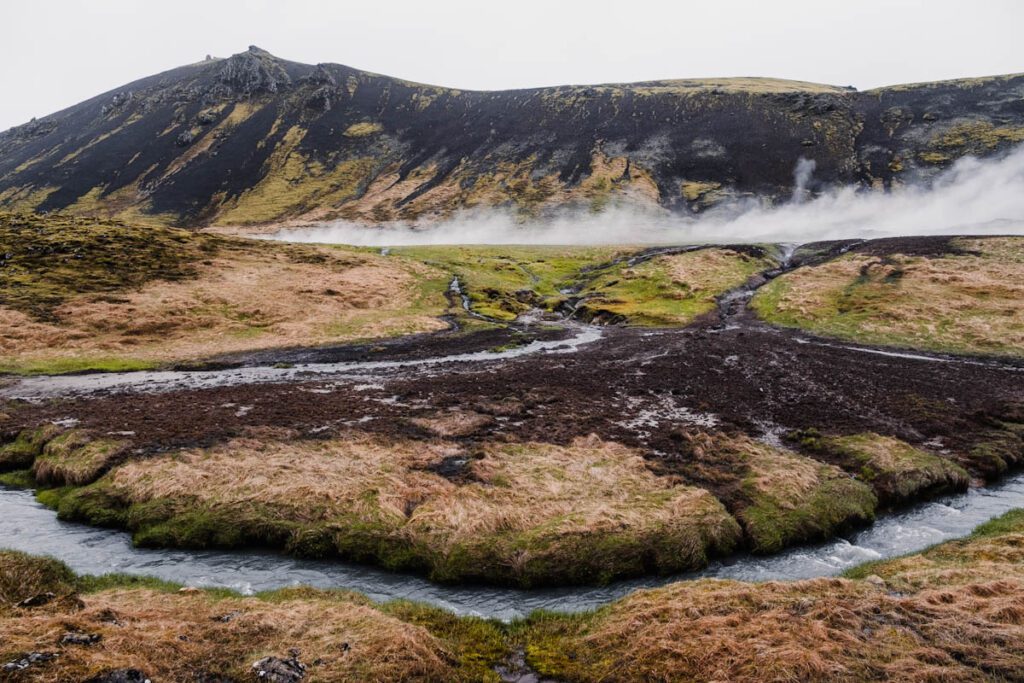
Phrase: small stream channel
[36,388]
[27,525]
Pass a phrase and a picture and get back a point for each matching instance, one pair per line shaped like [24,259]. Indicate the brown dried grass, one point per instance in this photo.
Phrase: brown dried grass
[964,302]
[241,300]
[179,637]
[954,612]
[554,495]
[818,630]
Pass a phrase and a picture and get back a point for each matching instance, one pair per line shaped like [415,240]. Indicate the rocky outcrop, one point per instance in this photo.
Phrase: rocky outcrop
[253,72]
[278,670]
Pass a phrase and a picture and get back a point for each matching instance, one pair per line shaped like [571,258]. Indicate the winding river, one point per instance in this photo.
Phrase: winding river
[29,526]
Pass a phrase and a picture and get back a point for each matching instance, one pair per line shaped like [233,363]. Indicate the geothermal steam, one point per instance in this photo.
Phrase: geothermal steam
[971,197]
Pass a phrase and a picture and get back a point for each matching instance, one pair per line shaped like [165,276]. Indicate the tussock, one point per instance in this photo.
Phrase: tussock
[75,458]
[897,471]
[780,497]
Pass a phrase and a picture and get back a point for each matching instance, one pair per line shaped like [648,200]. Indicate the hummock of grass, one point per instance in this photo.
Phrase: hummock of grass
[958,616]
[971,302]
[29,444]
[525,514]
[75,458]
[997,450]
[25,576]
[896,471]
[781,498]
[671,290]
[214,635]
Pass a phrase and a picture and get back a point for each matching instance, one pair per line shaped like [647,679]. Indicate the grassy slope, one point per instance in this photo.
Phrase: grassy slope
[205,635]
[969,302]
[81,294]
[951,612]
[87,294]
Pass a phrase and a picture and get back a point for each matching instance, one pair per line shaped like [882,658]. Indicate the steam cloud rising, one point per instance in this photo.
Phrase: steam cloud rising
[971,197]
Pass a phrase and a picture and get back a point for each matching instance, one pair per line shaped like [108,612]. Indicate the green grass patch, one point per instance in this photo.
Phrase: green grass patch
[73,364]
[672,289]
[503,282]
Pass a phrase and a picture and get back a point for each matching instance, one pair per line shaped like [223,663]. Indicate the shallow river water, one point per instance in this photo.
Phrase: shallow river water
[40,387]
[26,525]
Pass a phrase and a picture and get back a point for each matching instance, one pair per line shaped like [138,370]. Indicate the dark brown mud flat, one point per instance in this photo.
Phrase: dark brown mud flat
[643,388]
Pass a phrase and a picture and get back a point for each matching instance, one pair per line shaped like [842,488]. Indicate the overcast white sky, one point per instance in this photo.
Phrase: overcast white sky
[56,53]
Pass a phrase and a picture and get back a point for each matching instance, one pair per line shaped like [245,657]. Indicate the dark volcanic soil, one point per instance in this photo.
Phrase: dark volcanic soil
[640,387]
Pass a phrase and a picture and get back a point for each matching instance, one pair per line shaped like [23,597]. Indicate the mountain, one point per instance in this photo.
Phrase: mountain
[254,139]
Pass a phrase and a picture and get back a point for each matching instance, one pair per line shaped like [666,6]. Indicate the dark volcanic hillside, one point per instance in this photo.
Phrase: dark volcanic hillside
[255,139]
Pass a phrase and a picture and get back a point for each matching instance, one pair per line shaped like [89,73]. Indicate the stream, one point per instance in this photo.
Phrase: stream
[40,387]
[27,525]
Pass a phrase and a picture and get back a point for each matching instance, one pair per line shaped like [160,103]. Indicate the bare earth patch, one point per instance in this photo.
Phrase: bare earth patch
[968,301]
[520,513]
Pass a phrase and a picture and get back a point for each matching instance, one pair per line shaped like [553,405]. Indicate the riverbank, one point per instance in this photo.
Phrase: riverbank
[951,612]
[93,550]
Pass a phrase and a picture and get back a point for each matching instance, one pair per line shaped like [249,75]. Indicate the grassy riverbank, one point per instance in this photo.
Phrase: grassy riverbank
[440,497]
[951,612]
[525,514]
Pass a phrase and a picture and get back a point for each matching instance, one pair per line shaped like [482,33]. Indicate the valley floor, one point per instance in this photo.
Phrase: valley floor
[523,446]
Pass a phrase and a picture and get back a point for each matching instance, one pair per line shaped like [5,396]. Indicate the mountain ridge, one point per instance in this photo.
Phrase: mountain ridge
[254,139]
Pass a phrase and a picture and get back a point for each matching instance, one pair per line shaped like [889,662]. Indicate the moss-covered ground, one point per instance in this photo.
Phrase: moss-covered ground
[897,471]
